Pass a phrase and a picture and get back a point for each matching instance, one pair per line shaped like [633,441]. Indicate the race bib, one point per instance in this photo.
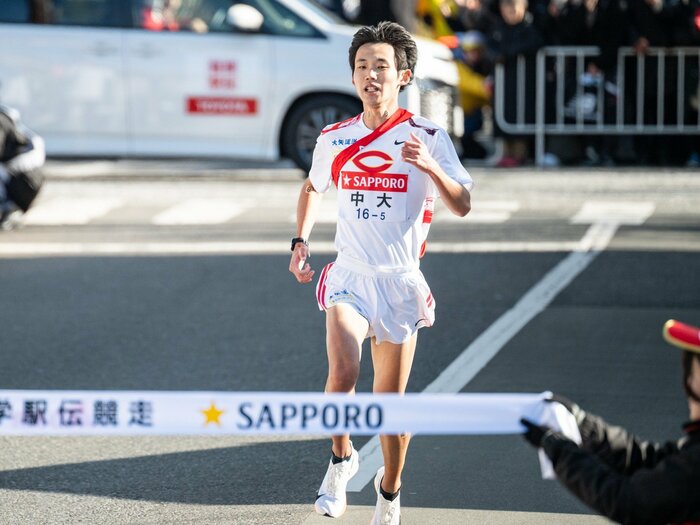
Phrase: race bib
[373,194]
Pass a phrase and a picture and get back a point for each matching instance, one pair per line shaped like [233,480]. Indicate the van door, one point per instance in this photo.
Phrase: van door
[62,68]
[197,87]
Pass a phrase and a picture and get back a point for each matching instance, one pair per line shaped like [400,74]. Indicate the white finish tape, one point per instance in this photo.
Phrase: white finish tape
[56,412]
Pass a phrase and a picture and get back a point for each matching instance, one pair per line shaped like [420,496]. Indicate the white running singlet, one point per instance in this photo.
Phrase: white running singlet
[385,205]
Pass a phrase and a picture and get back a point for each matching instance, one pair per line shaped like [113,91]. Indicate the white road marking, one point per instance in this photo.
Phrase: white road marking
[201,211]
[327,212]
[69,211]
[483,212]
[477,355]
[633,213]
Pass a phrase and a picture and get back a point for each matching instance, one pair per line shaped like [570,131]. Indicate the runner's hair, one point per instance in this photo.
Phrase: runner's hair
[405,49]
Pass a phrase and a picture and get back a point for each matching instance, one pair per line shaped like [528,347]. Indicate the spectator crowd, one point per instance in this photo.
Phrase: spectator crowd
[483,33]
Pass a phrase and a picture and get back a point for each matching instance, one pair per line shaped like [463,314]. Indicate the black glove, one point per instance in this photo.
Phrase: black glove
[535,433]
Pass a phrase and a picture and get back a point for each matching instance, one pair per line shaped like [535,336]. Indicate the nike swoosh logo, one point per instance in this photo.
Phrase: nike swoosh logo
[397,142]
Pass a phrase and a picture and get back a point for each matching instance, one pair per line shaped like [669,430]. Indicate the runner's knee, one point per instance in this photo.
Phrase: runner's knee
[342,378]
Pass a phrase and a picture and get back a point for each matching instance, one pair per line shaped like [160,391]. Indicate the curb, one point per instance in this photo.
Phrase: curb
[148,169]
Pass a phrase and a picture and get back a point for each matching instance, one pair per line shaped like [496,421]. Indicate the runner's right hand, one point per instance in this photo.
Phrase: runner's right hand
[298,265]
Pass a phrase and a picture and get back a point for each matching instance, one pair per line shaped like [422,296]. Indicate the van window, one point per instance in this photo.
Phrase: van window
[172,15]
[281,21]
[203,16]
[94,13]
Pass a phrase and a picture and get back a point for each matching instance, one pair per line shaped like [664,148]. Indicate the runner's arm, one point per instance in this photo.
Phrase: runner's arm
[455,195]
[307,208]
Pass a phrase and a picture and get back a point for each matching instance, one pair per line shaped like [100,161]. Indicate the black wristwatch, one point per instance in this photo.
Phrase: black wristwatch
[295,240]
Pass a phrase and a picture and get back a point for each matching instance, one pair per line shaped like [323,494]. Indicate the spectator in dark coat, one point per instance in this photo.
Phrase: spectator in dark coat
[401,11]
[473,15]
[652,26]
[604,24]
[515,35]
[686,32]
[622,477]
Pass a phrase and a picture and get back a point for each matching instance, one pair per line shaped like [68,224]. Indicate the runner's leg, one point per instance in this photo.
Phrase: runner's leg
[345,331]
[392,367]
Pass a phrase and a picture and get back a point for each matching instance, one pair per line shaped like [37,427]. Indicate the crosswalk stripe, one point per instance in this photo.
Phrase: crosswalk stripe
[482,212]
[327,212]
[70,211]
[200,211]
[487,212]
[634,213]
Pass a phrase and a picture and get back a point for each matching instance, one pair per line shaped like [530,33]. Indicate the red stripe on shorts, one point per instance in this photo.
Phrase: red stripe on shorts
[321,289]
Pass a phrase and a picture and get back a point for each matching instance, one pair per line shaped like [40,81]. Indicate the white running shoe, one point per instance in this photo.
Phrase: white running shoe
[331,499]
[386,512]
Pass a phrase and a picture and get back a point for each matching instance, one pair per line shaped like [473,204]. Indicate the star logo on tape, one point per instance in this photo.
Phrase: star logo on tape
[212,415]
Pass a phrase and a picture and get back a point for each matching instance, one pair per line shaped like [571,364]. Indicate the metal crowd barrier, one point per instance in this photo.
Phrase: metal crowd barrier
[628,119]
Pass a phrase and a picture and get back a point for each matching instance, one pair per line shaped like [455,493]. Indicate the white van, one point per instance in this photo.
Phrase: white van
[191,78]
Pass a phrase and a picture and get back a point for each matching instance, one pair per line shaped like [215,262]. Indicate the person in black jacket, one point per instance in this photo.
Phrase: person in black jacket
[21,157]
[623,478]
[515,35]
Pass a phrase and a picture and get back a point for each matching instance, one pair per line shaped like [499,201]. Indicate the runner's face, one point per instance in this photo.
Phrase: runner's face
[376,78]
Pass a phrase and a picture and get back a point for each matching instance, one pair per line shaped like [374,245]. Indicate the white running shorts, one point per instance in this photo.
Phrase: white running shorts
[396,302]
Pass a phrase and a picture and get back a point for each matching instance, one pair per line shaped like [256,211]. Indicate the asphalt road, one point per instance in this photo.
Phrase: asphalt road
[147,291]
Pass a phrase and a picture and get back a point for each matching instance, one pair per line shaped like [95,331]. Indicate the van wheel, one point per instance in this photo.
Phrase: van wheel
[306,120]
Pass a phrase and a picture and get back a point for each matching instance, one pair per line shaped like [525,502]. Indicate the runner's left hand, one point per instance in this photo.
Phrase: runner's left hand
[415,152]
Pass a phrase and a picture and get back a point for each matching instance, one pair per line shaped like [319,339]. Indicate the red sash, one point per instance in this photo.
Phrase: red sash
[399,116]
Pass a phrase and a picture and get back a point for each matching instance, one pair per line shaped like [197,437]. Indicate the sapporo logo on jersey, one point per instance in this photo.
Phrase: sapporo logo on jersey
[372,176]
[387,200]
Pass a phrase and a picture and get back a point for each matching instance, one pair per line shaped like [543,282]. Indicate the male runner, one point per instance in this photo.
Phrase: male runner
[388,166]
